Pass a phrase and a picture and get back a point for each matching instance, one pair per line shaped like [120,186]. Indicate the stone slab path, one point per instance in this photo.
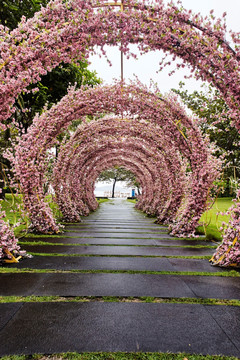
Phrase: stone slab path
[136,285]
[118,252]
[57,327]
[118,241]
[120,263]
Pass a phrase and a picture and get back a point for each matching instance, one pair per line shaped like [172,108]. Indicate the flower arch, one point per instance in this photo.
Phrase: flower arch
[89,167]
[150,124]
[41,43]
[135,161]
[108,136]
[143,176]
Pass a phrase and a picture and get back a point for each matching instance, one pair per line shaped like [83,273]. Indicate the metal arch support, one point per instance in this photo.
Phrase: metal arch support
[121,6]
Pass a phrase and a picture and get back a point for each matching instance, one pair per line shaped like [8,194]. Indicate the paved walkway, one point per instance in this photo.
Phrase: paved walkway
[116,252]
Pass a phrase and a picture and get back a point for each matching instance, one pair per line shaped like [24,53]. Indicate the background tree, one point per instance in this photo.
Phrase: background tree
[116,174]
[50,89]
[212,109]
[133,183]
[11,11]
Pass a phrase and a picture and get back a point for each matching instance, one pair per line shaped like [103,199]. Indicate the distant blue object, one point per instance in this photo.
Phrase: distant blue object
[133,192]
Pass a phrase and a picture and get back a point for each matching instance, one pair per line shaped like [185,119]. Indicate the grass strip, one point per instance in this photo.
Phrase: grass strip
[41,236]
[100,201]
[103,237]
[119,356]
[130,299]
[120,231]
[196,257]
[116,227]
[225,273]
[115,238]
[58,236]
[118,237]
[37,243]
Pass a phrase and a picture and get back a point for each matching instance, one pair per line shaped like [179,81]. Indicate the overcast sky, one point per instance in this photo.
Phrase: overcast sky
[146,66]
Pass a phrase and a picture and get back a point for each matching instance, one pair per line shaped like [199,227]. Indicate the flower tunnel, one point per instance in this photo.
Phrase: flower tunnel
[92,163]
[148,128]
[134,161]
[108,137]
[67,30]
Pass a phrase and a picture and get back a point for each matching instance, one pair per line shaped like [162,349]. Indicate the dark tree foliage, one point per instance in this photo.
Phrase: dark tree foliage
[210,107]
[52,86]
[11,11]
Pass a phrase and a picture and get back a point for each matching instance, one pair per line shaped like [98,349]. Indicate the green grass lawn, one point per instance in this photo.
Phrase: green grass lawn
[212,222]
[100,201]
[119,356]
[132,200]
[13,207]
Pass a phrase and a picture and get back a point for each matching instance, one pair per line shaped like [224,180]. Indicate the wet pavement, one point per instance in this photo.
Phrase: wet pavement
[111,241]
[118,250]
[136,285]
[59,327]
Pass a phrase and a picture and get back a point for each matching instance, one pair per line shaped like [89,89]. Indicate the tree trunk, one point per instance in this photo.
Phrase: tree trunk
[2,185]
[56,148]
[113,188]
